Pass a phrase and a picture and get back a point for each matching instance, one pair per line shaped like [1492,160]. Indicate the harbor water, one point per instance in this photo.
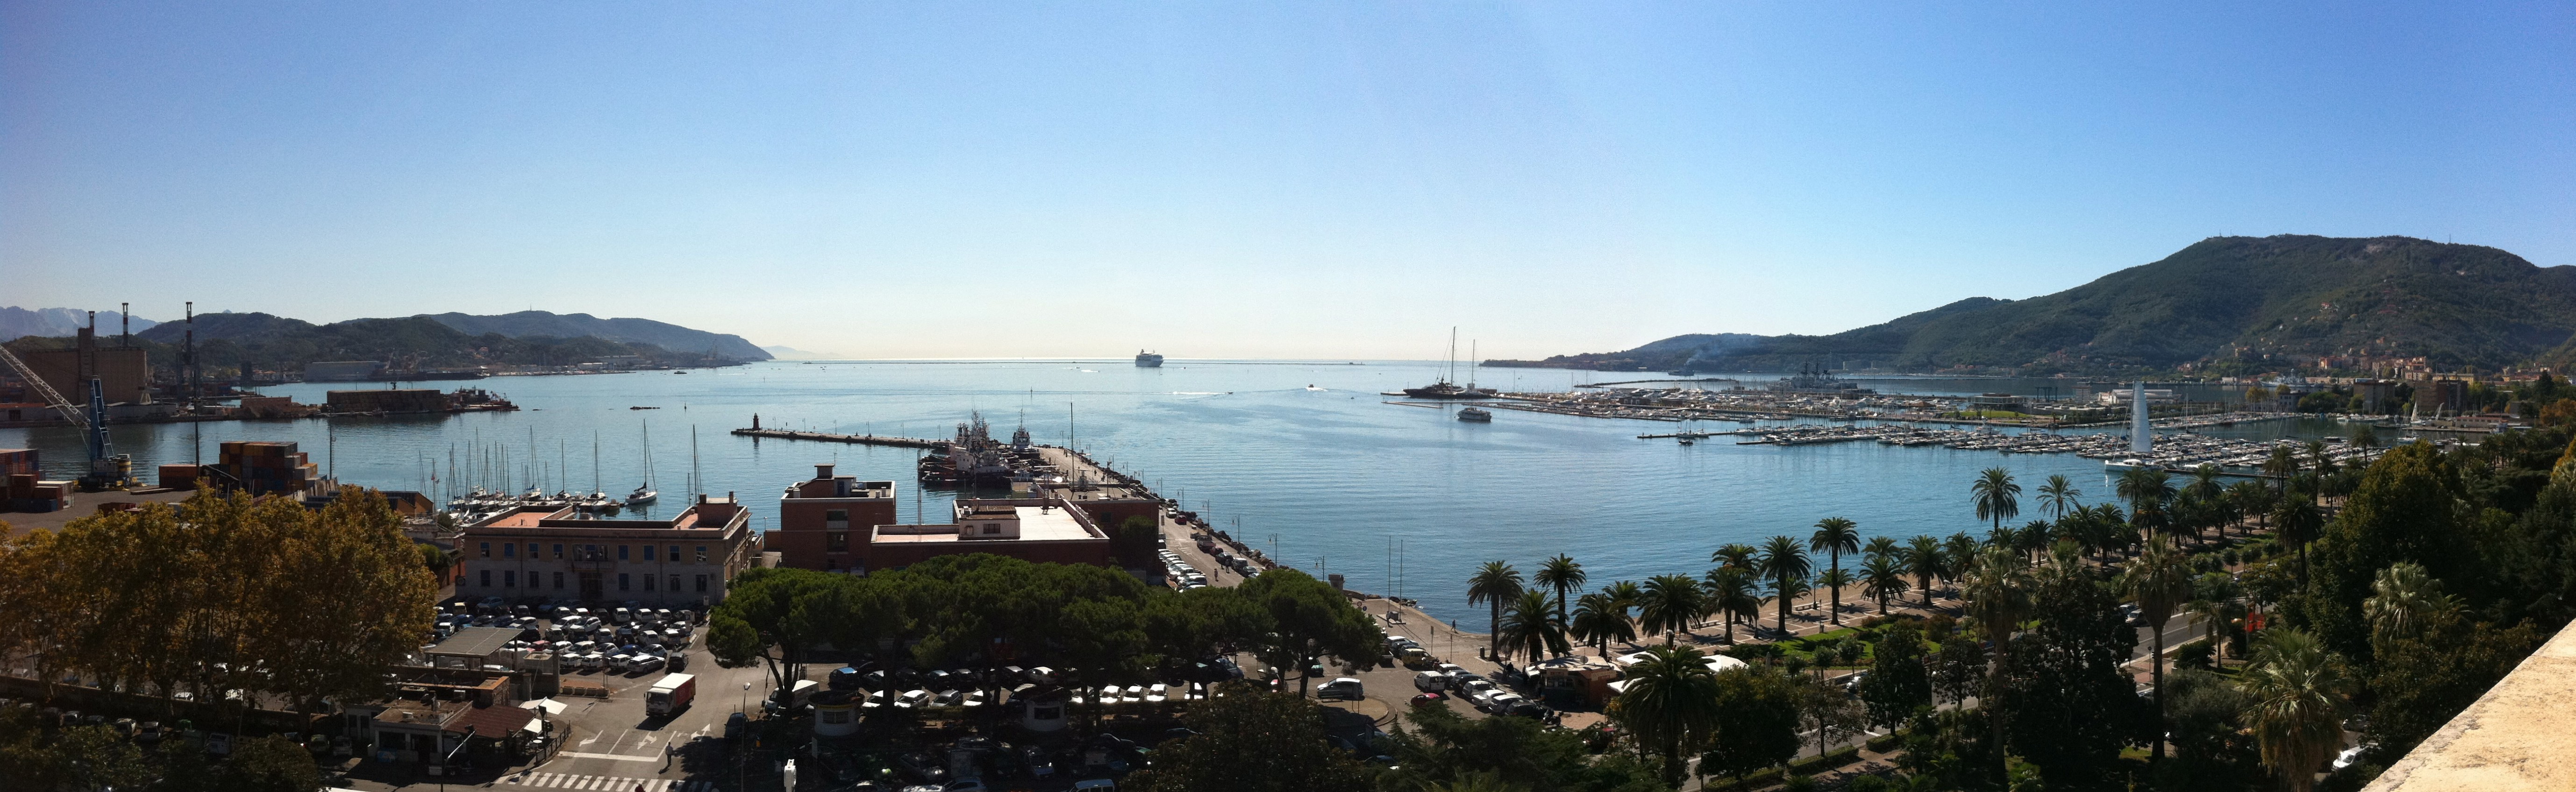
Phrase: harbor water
[1301,460]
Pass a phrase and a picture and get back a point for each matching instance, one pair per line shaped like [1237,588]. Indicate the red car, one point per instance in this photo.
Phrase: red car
[1428,698]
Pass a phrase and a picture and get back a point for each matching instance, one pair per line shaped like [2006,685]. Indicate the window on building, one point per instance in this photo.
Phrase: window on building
[510,580]
[559,552]
[621,552]
[487,549]
[648,582]
[487,578]
[648,552]
[509,550]
[558,581]
[702,554]
[992,530]
[837,515]
[621,581]
[675,582]
[674,557]
[702,584]
[836,541]
[532,549]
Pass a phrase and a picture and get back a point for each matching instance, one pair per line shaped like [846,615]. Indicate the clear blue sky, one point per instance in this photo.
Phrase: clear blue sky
[1237,179]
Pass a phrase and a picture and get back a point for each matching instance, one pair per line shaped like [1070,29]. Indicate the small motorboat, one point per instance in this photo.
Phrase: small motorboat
[1687,441]
[1476,415]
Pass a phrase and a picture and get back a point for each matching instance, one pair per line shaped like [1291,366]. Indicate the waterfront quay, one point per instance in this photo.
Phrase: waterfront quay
[828,437]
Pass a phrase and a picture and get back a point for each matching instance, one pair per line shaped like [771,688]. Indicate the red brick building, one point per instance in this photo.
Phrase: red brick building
[823,523]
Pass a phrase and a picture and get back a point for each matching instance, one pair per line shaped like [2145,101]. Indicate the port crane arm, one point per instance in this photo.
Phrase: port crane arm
[71,412]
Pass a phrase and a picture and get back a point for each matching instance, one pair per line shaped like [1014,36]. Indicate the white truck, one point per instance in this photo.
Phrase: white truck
[671,693]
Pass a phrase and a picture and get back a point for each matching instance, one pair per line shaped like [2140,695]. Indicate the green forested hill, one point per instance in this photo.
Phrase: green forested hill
[227,342]
[2226,302]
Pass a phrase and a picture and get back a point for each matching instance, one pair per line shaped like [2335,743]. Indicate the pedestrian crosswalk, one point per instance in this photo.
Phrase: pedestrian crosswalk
[592,783]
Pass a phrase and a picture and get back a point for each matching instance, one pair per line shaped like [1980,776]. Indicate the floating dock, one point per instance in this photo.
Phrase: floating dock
[828,437]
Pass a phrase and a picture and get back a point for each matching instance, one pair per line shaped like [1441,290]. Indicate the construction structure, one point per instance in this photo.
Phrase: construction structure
[107,469]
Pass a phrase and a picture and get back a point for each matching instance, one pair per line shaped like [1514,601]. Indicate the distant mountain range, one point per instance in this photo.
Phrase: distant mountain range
[542,324]
[2224,305]
[16,322]
[269,342]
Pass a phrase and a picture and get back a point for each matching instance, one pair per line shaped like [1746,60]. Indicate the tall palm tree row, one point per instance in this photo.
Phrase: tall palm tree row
[1560,573]
[1494,585]
[1785,565]
[1997,594]
[2159,580]
[1835,536]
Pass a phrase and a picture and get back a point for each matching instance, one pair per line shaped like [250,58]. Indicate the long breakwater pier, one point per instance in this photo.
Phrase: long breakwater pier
[828,437]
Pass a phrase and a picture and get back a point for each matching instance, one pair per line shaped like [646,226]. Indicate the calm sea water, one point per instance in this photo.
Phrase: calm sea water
[1303,457]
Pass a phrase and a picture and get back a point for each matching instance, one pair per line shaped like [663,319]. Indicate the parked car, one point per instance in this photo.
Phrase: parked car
[1427,698]
[1342,688]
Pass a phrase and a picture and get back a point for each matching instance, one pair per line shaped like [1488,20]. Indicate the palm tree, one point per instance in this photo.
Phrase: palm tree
[2248,499]
[2296,716]
[1959,554]
[1833,580]
[1560,573]
[2319,460]
[2405,599]
[1881,546]
[1995,495]
[2159,579]
[1668,604]
[1882,577]
[1670,703]
[1997,594]
[1730,592]
[2283,464]
[1835,536]
[1599,619]
[2035,538]
[1925,560]
[1493,584]
[1783,562]
[1787,591]
[1531,628]
[1737,555]
[1625,594]
[2147,490]
[2205,492]
[2058,497]
[2298,521]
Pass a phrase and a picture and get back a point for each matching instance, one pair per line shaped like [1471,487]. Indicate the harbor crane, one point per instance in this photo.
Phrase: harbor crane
[106,469]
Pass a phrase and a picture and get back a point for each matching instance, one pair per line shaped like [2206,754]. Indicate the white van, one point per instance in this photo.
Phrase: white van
[1345,688]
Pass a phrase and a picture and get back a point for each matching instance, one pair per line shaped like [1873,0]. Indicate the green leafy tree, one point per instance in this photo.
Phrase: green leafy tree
[1998,595]
[2071,706]
[269,764]
[1311,619]
[1436,748]
[1835,536]
[1756,724]
[1899,682]
[2406,509]
[1252,740]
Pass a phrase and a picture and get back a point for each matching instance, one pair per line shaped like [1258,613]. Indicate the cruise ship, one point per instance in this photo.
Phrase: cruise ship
[1146,359]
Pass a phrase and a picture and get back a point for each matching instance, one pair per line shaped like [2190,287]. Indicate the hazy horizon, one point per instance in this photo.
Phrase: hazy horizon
[886,181]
